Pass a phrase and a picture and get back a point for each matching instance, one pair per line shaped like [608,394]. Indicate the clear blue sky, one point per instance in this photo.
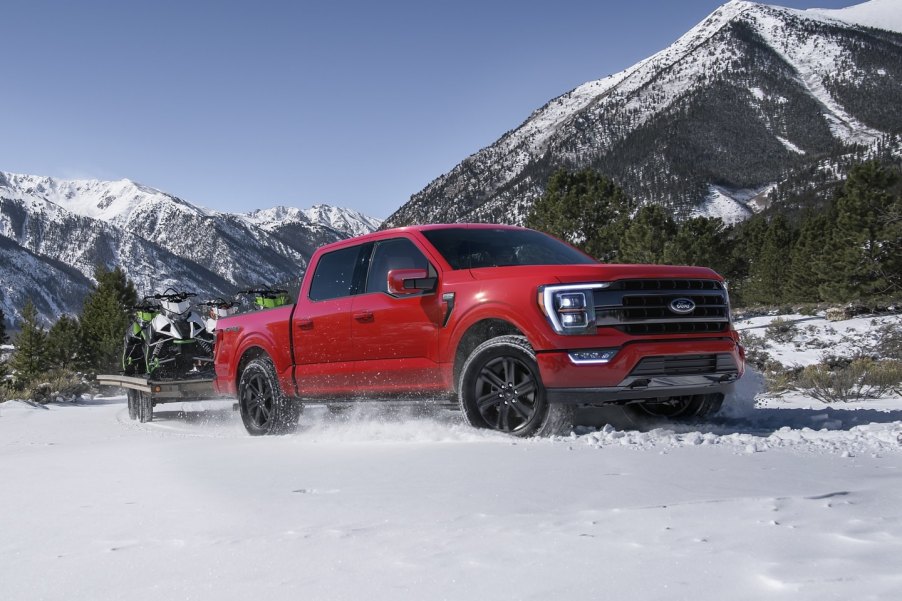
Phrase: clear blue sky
[243,105]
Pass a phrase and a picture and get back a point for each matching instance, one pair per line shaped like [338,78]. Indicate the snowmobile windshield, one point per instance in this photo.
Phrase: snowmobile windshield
[472,248]
[177,307]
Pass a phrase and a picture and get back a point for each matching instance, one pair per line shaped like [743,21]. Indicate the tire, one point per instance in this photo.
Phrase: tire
[264,407]
[500,389]
[695,407]
[145,407]
[132,404]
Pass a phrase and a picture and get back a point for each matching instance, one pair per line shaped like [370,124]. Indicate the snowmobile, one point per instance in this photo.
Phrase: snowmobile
[177,341]
[133,362]
[267,298]
[216,309]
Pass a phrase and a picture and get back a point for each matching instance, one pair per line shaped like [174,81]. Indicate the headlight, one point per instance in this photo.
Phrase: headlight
[726,298]
[570,308]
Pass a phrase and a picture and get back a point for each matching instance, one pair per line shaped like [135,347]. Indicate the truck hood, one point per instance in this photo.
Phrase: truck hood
[572,274]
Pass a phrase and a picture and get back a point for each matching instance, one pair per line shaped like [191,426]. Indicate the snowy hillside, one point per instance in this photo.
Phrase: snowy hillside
[882,14]
[346,221]
[781,497]
[750,92]
[159,239]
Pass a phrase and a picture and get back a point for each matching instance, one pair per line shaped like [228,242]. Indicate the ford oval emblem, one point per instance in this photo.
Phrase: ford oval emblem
[682,305]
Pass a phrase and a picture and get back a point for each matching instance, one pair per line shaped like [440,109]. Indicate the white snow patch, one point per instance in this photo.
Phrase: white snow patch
[815,337]
[789,145]
[398,506]
[731,205]
[881,14]
[814,58]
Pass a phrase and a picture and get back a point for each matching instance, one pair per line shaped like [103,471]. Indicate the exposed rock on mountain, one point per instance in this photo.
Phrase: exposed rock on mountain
[54,232]
[705,126]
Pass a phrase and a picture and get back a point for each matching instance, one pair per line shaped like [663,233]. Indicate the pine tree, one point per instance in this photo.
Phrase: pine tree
[808,257]
[104,319]
[744,251]
[769,272]
[4,339]
[585,209]
[867,240]
[701,241]
[644,239]
[29,360]
[64,342]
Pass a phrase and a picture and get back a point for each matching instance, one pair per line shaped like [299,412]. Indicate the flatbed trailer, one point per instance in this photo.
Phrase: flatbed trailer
[144,393]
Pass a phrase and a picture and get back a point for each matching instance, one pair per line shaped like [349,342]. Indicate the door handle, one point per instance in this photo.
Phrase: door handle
[305,323]
[363,316]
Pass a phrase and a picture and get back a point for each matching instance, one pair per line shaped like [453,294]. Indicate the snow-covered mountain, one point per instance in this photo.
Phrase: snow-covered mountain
[54,232]
[348,221]
[751,92]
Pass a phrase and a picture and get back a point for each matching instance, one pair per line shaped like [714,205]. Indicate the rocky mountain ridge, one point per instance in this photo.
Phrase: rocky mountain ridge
[54,232]
[714,120]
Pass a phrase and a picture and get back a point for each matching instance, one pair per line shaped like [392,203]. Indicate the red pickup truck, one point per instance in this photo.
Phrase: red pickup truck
[514,325]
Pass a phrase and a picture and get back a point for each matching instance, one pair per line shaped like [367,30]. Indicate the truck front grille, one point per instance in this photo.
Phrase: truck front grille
[644,307]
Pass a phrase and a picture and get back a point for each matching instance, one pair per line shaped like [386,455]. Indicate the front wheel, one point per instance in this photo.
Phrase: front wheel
[500,389]
[685,408]
[264,407]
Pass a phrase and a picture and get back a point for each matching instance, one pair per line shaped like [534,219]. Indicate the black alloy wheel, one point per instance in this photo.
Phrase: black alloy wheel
[500,389]
[257,397]
[506,394]
[264,407]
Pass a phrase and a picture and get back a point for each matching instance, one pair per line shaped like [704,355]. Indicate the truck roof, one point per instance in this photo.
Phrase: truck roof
[416,228]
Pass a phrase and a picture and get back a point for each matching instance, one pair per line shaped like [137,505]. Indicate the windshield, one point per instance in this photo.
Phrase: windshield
[465,248]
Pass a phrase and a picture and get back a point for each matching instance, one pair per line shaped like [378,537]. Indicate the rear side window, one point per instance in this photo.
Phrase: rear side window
[334,275]
[399,253]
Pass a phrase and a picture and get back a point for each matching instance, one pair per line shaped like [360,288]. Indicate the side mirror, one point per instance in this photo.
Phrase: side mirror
[404,282]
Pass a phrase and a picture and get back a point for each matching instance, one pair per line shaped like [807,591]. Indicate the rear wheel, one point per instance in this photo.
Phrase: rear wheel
[145,407]
[697,406]
[132,404]
[500,389]
[264,407]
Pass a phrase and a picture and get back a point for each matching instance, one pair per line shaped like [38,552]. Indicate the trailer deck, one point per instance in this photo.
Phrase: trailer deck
[144,393]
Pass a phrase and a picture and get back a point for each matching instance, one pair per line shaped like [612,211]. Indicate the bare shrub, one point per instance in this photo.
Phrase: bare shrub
[889,340]
[781,330]
[56,385]
[858,379]
[756,353]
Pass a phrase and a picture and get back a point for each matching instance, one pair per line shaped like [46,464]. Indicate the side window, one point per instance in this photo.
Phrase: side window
[334,275]
[399,253]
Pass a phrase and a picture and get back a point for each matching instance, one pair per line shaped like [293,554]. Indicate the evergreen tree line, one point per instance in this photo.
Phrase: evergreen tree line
[74,348]
[851,249]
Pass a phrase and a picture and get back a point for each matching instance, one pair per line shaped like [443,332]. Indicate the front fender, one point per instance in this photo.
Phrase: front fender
[528,321]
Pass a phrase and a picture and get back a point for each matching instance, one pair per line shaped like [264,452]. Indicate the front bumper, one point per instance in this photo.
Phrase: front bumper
[644,370]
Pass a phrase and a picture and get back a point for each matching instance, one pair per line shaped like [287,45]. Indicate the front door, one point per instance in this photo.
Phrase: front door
[396,337]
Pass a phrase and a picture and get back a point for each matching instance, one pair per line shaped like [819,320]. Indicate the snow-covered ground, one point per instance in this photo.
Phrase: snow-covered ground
[789,500]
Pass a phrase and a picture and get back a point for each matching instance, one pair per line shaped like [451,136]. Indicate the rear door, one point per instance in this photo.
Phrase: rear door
[322,322]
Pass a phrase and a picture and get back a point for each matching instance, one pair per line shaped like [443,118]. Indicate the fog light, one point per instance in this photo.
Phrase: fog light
[592,356]
[573,320]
